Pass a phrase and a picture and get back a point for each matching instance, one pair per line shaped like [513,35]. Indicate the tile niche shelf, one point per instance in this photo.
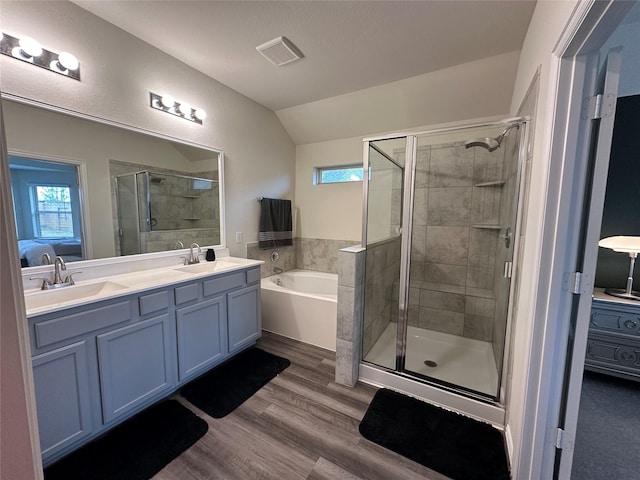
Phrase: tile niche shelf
[487,226]
[497,183]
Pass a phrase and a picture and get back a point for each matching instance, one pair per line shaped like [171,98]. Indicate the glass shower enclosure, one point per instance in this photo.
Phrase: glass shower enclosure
[157,210]
[439,226]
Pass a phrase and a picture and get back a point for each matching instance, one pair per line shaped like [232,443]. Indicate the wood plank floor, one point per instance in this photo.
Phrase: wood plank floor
[301,425]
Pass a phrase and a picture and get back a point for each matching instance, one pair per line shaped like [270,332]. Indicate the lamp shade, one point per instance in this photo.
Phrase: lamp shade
[621,243]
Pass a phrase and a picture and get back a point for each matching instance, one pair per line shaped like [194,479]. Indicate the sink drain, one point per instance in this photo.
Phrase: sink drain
[430,363]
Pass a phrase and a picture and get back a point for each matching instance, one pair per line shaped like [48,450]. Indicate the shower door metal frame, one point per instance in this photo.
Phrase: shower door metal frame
[405,260]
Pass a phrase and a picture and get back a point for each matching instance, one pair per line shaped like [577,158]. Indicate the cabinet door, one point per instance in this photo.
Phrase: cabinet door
[135,365]
[202,336]
[245,321]
[61,380]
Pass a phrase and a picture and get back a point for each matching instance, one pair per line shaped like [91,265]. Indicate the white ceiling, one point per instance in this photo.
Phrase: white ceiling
[348,45]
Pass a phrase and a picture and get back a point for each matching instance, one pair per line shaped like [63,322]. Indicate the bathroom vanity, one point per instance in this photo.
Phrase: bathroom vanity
[613,346]
[99,359]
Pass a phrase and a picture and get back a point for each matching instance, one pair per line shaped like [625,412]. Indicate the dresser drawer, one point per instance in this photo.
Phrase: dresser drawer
[614,352]
[615,321]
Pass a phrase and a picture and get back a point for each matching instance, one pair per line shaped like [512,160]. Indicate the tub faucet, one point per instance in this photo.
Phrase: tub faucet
[193,258]
[277,270]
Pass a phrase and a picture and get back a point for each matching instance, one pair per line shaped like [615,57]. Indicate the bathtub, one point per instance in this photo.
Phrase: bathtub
[303,305]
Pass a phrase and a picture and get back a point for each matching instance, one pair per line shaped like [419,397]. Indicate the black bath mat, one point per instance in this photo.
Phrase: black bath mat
[454,445]
[225,388]
[136,449]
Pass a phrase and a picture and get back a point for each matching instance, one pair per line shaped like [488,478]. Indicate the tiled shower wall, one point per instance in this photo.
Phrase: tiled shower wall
[455,238]
[382,267]
[317,254]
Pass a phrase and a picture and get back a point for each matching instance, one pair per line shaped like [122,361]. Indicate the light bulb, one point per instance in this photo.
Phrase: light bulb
[201,114]
[30,47]
[185,109]
[68,61]
[167,101]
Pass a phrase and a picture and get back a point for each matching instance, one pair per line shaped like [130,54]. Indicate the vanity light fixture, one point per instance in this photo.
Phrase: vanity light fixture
[168,104]
[30,51]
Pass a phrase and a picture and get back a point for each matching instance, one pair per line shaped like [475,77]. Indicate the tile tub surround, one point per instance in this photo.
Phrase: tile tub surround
[317,254]
[350,309]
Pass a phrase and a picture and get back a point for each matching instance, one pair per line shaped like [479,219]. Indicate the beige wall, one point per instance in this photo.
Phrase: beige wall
[547,25]
[331,211]
[118,72]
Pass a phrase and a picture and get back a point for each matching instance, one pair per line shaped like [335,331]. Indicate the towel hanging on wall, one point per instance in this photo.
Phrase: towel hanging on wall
[275,223]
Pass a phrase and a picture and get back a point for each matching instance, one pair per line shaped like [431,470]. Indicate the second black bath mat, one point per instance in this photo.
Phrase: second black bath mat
[225,388]
[454,445]
[135,450]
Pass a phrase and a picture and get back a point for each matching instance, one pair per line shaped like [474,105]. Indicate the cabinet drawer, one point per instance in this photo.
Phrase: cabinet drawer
[69,326]
[187,293]
[220,284]
[615,321]
[154,302]
[253,275]
[614,352]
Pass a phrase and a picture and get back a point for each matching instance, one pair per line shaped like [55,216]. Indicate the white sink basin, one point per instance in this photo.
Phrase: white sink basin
[207,267]
[46,298]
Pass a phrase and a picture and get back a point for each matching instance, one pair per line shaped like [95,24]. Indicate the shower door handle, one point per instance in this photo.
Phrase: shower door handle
[507,237]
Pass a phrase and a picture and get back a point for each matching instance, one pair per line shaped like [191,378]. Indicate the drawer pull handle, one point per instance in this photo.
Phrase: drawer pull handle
[626,356]
[630,324]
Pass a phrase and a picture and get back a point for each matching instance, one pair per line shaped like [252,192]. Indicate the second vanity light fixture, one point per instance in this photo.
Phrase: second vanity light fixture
[29,50]
[168,104]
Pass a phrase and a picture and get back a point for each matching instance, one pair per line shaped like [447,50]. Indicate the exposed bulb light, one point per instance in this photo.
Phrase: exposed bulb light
[30,47]
[30,51]
[185,109]
[68,61]
[167,101]
[168,104]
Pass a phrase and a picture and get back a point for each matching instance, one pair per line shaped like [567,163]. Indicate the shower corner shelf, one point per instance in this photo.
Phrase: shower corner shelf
[497,183]
[191,218]
[190,196]
[486,226]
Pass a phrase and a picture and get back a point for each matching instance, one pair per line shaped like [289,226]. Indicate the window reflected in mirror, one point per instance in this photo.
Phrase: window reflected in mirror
[47,210]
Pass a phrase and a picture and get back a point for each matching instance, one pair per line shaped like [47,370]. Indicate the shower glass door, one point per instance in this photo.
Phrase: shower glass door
[449,292]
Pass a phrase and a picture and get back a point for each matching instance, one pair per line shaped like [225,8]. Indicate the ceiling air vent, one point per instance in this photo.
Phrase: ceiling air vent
[280,51]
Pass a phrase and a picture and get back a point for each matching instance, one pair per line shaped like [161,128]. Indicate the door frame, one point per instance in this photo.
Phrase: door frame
[589,27]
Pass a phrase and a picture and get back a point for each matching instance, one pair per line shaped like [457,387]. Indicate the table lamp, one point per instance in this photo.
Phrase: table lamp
[630,245]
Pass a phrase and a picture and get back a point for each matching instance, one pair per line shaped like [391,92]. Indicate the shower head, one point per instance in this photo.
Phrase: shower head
[490,144]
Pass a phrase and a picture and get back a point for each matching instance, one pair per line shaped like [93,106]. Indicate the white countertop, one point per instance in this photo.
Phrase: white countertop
[40,302]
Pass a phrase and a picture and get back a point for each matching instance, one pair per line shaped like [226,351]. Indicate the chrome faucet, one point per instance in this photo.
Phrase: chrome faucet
[59,266]
[58,280]
[191,259]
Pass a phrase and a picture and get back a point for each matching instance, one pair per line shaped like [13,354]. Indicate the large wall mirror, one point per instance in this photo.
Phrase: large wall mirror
[83,189]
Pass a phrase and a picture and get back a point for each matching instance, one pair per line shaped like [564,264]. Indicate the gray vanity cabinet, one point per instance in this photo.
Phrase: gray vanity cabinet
[201,335]
[64,405]
[135,365]
[245,319]
[96,365]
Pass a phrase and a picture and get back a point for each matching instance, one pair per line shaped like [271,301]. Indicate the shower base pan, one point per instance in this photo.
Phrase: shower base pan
[453,359]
